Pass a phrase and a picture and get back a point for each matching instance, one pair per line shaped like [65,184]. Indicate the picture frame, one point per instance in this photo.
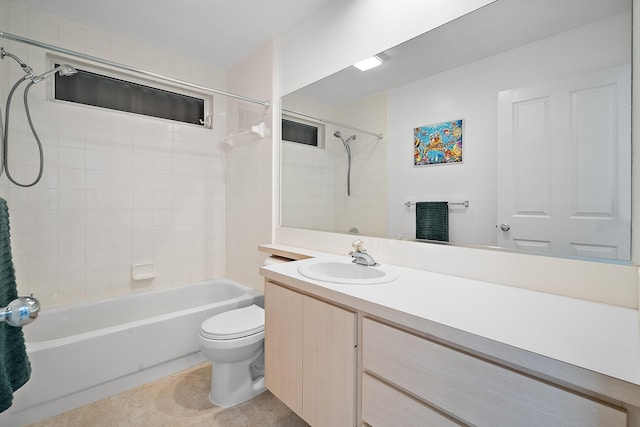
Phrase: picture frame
[438,144]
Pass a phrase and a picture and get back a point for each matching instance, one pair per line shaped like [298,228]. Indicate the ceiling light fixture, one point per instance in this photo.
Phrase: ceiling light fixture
[368,63]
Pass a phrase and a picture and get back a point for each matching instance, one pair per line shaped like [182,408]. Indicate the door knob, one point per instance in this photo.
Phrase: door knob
[505,227]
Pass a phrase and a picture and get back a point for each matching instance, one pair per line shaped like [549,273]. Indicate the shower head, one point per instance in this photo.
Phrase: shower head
[64,70]
[338,134]
[67,70]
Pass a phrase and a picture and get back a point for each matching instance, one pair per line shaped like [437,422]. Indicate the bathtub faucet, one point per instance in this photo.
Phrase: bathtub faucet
[20,311]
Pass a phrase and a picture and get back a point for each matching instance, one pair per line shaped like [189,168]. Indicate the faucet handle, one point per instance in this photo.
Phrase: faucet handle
[358,245]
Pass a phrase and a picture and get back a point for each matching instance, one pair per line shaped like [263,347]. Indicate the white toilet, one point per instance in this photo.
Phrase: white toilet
[234,342]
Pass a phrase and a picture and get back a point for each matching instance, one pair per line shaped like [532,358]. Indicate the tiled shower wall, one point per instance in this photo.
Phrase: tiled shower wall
[118,189]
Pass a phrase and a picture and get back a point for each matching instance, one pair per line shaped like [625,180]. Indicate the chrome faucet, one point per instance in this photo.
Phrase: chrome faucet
[360,255]
[21,311]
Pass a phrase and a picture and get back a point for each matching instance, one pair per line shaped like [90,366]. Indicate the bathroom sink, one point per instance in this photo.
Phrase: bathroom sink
[347,272]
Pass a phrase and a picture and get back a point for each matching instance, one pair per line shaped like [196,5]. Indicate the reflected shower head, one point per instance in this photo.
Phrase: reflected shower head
[338,134]
[64,70]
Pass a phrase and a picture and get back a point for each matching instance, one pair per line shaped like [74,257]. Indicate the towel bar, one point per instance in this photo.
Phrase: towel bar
[465,203]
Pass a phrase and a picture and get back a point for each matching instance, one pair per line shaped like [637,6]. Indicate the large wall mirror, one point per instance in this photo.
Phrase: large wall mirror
[518,115]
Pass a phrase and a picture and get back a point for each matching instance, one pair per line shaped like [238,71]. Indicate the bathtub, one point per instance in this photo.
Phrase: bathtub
[85,352]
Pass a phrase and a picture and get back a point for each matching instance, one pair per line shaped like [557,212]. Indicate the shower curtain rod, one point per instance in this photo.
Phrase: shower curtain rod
[20,39]
[330,122]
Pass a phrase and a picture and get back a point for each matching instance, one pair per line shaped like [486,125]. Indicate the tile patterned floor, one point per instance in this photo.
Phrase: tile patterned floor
[176,401]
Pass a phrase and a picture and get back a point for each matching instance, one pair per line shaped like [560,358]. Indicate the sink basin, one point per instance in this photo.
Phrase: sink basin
[347,272]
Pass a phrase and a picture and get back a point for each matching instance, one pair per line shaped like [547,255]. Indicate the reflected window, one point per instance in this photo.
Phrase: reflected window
[301,132]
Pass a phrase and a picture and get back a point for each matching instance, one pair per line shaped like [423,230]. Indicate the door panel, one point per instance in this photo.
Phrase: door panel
[564,166]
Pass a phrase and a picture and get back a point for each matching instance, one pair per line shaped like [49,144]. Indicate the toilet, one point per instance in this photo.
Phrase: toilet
[234,342]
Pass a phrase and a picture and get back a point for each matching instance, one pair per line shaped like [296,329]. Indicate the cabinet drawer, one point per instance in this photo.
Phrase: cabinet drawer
[385,406]
[473,390]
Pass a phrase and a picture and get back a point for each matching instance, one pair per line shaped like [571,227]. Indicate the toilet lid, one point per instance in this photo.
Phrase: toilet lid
[231,324]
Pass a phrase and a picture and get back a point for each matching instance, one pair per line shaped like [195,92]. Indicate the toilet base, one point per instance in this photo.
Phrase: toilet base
[232,384]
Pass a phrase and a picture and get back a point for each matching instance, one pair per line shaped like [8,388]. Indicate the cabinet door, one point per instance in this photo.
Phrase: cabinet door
[473,390]
[329,371]
[283,345]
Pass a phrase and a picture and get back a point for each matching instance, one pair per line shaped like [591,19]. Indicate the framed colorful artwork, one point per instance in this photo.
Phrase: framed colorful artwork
[437,144]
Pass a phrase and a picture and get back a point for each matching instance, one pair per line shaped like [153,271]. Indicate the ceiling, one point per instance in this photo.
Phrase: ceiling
[219,33]
[495,28]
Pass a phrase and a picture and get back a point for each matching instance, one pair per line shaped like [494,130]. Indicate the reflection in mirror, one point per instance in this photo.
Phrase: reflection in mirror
[544,94]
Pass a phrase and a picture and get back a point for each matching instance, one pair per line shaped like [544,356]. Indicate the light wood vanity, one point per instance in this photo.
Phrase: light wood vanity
[312,356]
[342,355]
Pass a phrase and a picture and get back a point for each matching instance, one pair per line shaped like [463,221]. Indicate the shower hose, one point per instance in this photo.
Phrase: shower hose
[4,135]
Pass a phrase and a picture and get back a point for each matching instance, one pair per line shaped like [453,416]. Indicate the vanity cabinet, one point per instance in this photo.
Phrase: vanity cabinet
[385,356]
[423,379]
[310,356]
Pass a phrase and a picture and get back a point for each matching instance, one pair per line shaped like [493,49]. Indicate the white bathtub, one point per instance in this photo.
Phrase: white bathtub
[84,352]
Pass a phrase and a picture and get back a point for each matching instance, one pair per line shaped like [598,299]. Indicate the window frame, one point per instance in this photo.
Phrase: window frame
[131,77]
[309,122]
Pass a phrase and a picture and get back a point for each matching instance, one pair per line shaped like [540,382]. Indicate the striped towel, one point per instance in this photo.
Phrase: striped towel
[15,368]
[432,221]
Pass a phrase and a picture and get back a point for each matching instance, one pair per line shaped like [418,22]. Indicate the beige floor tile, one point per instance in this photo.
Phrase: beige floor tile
[179,400]
[266,410]
[49,422]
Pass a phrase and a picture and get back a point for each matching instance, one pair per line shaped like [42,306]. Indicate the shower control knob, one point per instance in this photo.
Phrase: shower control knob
[505,227]
[21,311]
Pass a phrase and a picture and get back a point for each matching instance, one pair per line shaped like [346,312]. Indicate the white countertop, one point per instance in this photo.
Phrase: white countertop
[598,337]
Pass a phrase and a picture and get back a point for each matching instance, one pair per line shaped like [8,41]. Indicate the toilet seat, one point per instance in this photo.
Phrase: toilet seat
[233,324]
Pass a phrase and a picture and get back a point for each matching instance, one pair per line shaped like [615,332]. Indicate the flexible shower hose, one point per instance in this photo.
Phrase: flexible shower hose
[5,135]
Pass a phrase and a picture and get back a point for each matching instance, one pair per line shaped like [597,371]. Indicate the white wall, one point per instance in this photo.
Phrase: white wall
[249,169]
[118,189]
[470,93]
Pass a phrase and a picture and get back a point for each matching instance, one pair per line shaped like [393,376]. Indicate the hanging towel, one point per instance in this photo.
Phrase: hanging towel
[15,368]
[432,221]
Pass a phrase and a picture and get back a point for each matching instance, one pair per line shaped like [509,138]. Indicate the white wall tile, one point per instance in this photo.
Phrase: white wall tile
[121,237]
[143,218]
[71,178]
[42,24]
[97,199]
[97,159]
[122,218]
[98,219]
[143,199]
[117,187]
[72,261]
[98,239]
[72,240]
